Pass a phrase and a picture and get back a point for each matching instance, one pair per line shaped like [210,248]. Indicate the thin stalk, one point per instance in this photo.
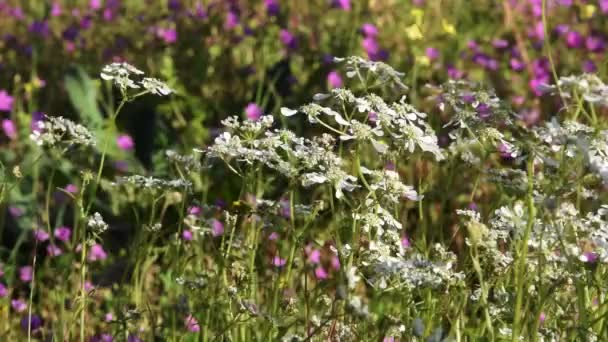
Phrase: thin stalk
[523,252]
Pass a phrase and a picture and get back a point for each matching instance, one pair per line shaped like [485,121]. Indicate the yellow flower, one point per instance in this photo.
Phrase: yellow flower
[418,14]
[447,27]
[413,32]
[423,60]
[588,11]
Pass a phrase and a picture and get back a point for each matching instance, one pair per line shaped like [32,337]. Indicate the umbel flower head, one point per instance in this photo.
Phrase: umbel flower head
[58,130]
[124,77]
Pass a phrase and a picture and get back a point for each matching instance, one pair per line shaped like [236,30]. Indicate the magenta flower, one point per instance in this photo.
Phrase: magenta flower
[56,9]
[71,188]
[33,322]
[288,39]
[16,211]
[278,261]
[168,35]
[500,43]
[125,142]
[232,20]
[342,4]
[253,112]
[272,7]
[542,317]
[369,30]
[18,305]
[314,256]
[6,101]
[192,324]
[194,210]
[432,53]
[3,291]
[595,43]
[588,257]
[405,242]
[97,253]
[88,286]
[273,236]
[95,4]
[321,273]
[63,234]
[574,39]
[334,80]
[372,116]
[108,317]
[40,235]
[604,6]
[53,250]
[217,227]
[516,64]
[370,45]
[187,235]
[335,262]
[589,66]
[9,128]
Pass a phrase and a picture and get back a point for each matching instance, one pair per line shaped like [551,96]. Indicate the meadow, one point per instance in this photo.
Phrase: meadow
[323,170]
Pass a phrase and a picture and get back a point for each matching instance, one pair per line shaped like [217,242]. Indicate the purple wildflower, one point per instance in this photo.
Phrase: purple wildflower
[321,273]
[432,53]
[187,235]
[192,324]
[588,257]
[53,250]
[6,101]
[56,9]
[63,234]
[314,256]
[168,35]
[574,39]
[334,80]
[595,43]
[95,4]
[97,253]
[253,112]
[516,64]
[18,305]
[217,227]
[40,235]
[405,242]
[194,210]
[589,66]
[500,43]
[32,323]
[232,20]
[8,126]
[278,261]
[3,291]
[342,4]
[369,30]
[288,39]
[125,142]
[272,7]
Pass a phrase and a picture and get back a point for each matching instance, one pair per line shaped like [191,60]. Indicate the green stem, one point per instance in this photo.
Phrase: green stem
[523,252]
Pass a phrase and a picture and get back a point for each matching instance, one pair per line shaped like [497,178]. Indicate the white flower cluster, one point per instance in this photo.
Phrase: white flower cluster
[55,131]
[385,74]
[151,183]
[310,161]
[121,74]
[588,87]
[97,224]
[400,125]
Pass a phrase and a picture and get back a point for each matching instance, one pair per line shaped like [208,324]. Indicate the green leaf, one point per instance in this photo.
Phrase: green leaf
[83,95]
